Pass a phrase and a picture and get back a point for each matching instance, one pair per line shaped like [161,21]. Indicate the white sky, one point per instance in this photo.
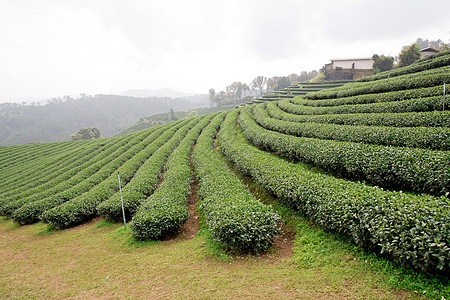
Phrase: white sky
[52,48]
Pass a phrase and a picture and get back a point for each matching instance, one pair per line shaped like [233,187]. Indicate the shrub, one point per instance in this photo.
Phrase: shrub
[419,170]
[235,218]
[417,137]
[411,229]
[410,119]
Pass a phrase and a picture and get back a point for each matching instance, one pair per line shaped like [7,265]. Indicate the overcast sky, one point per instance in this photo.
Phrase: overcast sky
[52,48]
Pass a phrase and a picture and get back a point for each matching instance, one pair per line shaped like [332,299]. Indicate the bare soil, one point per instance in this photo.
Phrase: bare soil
[191,227]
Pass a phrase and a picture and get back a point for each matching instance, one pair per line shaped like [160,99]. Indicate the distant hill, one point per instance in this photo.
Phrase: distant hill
[167,92]
[163,118]
[199,99]
[59,118]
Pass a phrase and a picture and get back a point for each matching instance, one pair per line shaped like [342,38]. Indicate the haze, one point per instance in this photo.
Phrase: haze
[51,48]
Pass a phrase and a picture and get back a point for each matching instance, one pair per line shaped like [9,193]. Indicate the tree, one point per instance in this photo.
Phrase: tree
[172,115]
[87,133]
[212,96]
[382,63]
[271,83]
[282,83]
[438,45]
[409,55]
[259,83]
[294,78]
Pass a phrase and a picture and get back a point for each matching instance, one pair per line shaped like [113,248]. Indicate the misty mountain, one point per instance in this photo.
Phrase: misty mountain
[167,92]
[61,117]
[200,99]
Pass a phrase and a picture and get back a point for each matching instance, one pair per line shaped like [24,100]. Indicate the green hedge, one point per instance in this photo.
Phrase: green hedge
[437,60]
[99,169]
[166,209]
[376,98]
[419,170]
[416,137]
[144,182]
[70,183]
[413,105]
[84,207]
[410,81]
[42,170]
[235,218]
[412,230]
[410,119]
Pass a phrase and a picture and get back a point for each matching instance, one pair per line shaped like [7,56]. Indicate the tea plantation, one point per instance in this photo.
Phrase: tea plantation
[382,144]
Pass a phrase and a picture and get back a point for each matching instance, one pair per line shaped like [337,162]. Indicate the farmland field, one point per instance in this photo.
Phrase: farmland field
[366,164]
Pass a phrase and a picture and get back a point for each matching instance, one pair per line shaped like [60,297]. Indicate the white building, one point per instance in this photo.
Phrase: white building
[427,51]
[350,63]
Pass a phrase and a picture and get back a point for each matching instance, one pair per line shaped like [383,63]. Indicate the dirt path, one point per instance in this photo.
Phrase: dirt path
[190,228]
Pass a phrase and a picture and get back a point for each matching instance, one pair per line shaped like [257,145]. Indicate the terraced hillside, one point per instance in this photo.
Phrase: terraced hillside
[368,159]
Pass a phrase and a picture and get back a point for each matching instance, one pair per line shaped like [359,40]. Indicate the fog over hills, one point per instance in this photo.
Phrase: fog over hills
[166,92]
[61,117]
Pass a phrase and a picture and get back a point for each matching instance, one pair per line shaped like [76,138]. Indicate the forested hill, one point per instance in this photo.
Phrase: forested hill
[59,118]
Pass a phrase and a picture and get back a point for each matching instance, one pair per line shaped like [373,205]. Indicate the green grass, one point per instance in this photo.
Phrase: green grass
[98,261]
[101,260]
[315,249]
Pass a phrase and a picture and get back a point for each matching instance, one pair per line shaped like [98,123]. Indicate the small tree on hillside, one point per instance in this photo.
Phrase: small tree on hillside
[259,83]
[212,96]
[87,133]
[382,63]
[409,55]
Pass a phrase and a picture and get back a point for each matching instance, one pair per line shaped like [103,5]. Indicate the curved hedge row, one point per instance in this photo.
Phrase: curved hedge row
[419,170]
[410,81]
[436,138]
[144,182]
[92,174]
[410,119]
[413,230]
[236,219]
[13,157]
[429,62]
[63,186]
[166,209]
[413,105]
[376,98]
[42,169]
[84,207]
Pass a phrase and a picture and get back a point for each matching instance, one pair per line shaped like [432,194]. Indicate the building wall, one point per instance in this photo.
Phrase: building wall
[347,64]
[347,74]
[425,53]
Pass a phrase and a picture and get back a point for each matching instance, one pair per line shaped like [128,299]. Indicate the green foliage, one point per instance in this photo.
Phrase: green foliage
[416,137]
[84,177]
[409,55]
[84,206]
[166,209]
[236,219]
[375,98]
[437,60]
[410,119]
[427,78]
[412,230]
[88,133]
[402,106]
[382,63]
[60,118]
[145,180]
[420,170]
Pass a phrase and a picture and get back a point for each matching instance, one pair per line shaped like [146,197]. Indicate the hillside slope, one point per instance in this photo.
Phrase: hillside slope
[369,160]
[58,119]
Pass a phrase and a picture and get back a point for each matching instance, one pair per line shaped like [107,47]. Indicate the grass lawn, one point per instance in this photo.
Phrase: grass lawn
[99,260]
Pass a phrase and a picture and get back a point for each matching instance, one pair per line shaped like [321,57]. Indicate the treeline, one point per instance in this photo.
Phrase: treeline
[239,92]
[59,118]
